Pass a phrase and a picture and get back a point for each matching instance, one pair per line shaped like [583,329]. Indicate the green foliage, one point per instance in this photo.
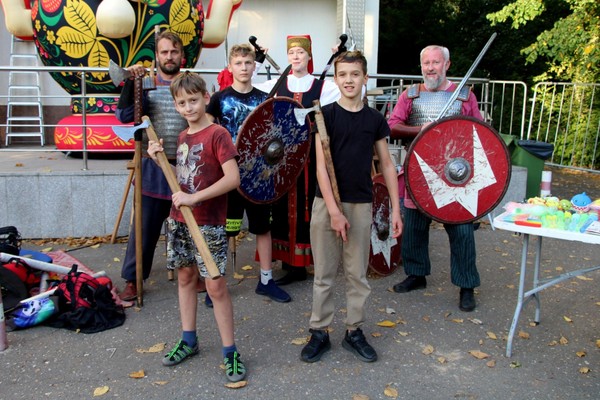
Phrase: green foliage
[570,49]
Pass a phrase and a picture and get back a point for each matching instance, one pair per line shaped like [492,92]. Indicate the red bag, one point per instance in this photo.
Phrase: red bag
[31,277]
[78,289]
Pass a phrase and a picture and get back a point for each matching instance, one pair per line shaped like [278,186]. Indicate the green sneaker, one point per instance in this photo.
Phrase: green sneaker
[234,367]
[180,352]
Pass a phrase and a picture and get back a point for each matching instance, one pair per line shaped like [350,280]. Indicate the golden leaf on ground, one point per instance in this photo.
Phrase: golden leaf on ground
[18,164]
[491,363]
[300,341]
[401,333]
[247,268]
[390,392]
[553,343]
[160,383]
[533,324]
[559,268]
[360,397]
[237,276]
[523,335]
[157,348]
[598,303]
[442,360]
[598,343]
[95,246]
[427,349]
[476,321]
[426,318]
[116,259]
[492,335]
[102,390]
[510,286]
[515,364]
[480,355]
[447,314]
[46,250]
[581,354]
[563,340]
[137,374]
[376,334]
[584,370]
[386,324]
[584,278]
[458,320]
[236,385]
[567,318]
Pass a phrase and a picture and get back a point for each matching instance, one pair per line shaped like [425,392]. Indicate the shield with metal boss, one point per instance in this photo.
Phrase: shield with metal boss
[273,148]
[457,170]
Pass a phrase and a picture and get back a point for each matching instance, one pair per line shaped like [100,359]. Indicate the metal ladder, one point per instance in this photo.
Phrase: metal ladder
[24,115]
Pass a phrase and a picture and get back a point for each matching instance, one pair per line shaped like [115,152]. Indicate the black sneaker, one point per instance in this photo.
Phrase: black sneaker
[356,343]
[467,300]
[317,346]
[412,282]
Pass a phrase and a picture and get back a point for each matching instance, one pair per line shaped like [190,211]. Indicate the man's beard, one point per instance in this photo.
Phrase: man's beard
[170,69]
[433,83]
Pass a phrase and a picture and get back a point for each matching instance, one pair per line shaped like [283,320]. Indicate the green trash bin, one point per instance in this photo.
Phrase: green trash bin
[530,154]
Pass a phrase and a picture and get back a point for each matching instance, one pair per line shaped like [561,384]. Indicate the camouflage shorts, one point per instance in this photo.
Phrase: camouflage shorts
[182,252]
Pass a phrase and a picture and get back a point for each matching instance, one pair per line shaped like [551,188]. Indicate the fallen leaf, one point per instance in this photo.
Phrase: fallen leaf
[442,360]
[376,334]
[101,390]
[426,318]
[401,333]
[492,335]
[458,320]
[95,246]
[581,354]
[476,321]
[236,385]
[491,363]
[584,370]
[427,349]
[390,392]
[584,278]
[559,268]
[238,276]
[157,348]
[553,343]
[515,364]
[447,314]
[389,310]
[386,324]
[360,397]
[116,259]
[510,286]
[480,355]
[247,268]
[300,341]
[160,383]
[18,164]
[563,340]
[137,374]
[567,318]
[46,250]
[598,343]
[523,335]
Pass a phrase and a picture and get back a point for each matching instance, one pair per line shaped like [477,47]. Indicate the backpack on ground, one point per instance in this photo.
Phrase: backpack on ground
[10,240]
[77,289]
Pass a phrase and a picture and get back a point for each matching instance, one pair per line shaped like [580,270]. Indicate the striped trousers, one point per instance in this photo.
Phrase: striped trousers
[415,249]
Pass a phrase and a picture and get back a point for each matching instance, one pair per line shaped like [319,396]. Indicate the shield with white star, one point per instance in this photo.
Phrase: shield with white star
[384,254]
[457,170]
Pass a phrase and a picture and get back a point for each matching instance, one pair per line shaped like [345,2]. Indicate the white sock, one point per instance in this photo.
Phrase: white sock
[265,276]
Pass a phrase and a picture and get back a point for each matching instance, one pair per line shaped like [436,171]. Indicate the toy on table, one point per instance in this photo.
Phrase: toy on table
[581,202]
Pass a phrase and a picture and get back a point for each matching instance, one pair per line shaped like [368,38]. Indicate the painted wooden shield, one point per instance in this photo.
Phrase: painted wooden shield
[273,149]
[384,255]
[457,170]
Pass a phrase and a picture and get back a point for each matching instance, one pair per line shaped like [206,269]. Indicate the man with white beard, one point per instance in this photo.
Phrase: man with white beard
[417,107]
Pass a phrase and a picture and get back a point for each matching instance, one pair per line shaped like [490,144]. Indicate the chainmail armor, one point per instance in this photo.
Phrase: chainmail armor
[166,121]
[427,106]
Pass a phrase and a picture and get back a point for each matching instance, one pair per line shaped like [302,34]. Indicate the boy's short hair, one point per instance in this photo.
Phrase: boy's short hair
[172,37]
[188,82]
[355,56]
[242,50]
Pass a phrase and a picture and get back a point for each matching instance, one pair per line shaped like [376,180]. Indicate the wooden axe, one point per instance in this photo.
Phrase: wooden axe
[301,114]
[191,223]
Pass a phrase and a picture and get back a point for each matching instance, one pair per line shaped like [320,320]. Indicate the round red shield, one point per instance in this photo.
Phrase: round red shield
[457,170]
[273,148]
[384,255]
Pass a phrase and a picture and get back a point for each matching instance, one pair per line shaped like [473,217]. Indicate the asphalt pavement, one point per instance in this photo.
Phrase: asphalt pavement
[432,350]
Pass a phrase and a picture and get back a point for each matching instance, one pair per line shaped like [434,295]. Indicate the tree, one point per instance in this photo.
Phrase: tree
[570,49]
